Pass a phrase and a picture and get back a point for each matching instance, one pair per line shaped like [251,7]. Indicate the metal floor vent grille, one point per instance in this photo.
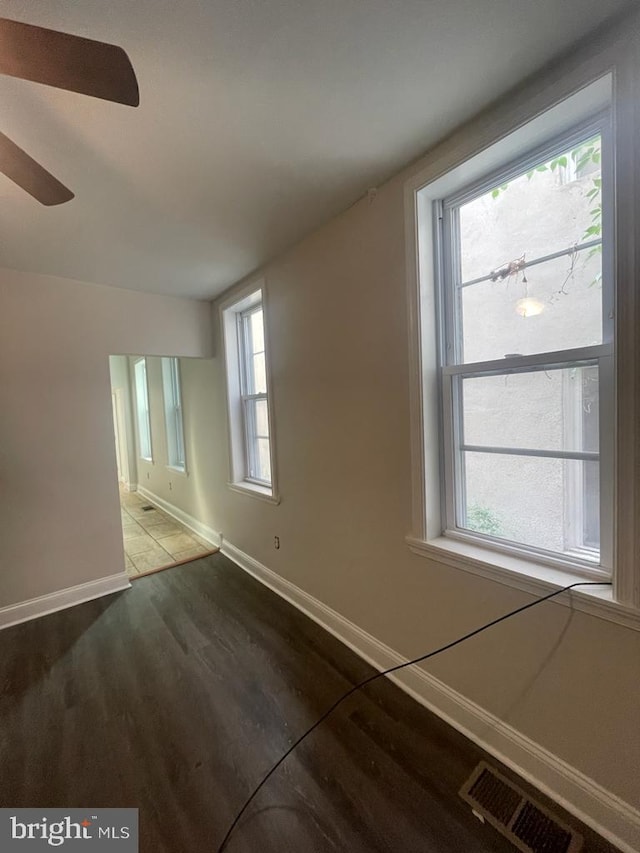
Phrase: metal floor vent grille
[147,508]
[526,823]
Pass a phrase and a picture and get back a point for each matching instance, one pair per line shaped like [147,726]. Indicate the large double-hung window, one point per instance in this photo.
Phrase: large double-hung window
[526,353]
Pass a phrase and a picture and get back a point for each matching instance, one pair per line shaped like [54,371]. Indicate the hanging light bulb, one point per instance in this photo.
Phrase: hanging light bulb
[529,307]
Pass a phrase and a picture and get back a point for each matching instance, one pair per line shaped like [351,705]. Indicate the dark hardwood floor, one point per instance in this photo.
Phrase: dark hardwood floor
[177,695]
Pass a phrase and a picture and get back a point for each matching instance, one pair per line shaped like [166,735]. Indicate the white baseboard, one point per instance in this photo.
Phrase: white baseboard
[202,530]
[63,598]
[610,816]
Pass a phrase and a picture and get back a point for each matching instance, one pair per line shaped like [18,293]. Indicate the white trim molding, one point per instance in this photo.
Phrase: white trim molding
[198,527]
[33,608]
[607,814]
[528,576]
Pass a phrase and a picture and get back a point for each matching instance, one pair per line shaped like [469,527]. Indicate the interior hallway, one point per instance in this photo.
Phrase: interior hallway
[154,540]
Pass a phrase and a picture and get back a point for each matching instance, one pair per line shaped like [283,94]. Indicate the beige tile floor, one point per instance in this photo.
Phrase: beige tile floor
[152,539]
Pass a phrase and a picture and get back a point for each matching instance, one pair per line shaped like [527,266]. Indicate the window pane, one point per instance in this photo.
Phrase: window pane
[550,208]
[540,410]
[179,443]
[257,331]
[259,374]
[175,382]
[142,406]
[262,418]
[558,307]
[547,503]
[263,460]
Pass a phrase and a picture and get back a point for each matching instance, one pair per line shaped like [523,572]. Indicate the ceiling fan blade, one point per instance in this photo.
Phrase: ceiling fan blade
[67,62]
[30,175]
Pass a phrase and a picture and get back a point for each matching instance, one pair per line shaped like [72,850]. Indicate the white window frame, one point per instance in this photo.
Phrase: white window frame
[453,370]
[234,312]
[143,411]
[546,108]
[173,414]
[574,499]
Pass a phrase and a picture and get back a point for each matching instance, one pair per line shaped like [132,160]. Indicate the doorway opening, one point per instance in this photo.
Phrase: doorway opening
[164,521]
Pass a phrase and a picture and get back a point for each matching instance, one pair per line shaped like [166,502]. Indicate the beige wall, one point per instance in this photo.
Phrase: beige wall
[338,336]
[59,511]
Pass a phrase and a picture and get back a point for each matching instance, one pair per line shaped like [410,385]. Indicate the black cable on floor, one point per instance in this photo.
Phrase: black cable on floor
[387,672]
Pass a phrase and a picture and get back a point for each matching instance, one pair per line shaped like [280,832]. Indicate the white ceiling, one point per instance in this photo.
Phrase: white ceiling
[258,120]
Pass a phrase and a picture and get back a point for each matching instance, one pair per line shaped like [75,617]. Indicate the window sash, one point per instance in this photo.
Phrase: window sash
[453,369]
[252,437]
[245,341]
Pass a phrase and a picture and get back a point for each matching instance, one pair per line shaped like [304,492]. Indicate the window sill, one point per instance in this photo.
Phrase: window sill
[526,575]
[254,491]
[175,470]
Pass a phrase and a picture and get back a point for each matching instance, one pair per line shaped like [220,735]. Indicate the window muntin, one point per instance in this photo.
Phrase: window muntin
[173,413]
[255,414]
[142,409]
[525,331]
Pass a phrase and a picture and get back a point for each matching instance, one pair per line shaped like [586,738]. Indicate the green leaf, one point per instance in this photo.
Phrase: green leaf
[495,193]
[542,168]
[593,229]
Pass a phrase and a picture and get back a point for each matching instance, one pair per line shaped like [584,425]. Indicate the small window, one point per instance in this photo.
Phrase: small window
[254,395]
[526,354]
[173,413]
[142,410]
[248,396]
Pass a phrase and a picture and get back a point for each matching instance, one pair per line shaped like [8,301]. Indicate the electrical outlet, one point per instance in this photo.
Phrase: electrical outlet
[148,477]
[276,543]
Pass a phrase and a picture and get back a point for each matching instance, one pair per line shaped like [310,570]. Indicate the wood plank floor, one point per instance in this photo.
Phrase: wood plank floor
[178,695]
